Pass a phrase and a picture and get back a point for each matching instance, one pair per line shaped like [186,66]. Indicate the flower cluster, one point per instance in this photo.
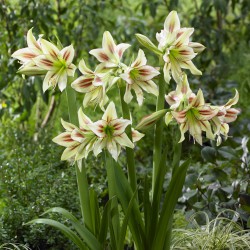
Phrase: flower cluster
[176,50]
[194,115]
[109,133]
[175,47]
[43,57]
[95,84]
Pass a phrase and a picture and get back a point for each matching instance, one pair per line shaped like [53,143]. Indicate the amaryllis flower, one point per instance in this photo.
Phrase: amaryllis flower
[110,54]
[111,133]
[94,84]
[139,77]
[26,56]
[57,63]
[177,49]
[65,140]
[181,96]
[78,141]
[195,118]
[225,115]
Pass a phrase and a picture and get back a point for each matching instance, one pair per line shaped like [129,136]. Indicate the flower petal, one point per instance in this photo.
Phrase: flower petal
[44,62]
[100,55]
[233,101]
[140,60]
[197,47]
[31,41]
[83,119]
[62,81]
[110,113]
[24,55]
[67,54]
[64,139]
[189,65]
[49,48]
[120,49]
[172,22]
[136,135]
[124,141]
[128,96]
[69,152]
[119,125]
[83,84]
[69,127]
[84,69]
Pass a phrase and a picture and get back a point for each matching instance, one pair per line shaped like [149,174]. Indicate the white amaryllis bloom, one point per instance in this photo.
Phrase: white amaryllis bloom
[225,115]
[94,84]
[58,64]
[139,77]
[111,133]
[78,141]
[195,118]
[177,49]
[181,96]
[26,56]
[110,54]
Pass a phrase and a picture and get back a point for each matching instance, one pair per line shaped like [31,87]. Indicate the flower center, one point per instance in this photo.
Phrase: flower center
[134,73]
[108,130]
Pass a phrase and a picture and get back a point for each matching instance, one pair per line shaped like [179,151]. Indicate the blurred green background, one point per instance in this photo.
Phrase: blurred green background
[32,178]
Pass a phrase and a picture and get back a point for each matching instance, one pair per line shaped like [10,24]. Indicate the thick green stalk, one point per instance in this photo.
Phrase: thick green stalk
[129,151]
[109,162]
[158,131]
[82,181]
[175,166]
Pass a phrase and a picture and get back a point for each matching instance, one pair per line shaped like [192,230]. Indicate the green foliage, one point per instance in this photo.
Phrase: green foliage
[30,183]
[221,233]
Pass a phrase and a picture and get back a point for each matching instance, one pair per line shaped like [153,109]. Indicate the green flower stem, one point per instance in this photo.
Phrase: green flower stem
[129,151]
[175,165]
[82,181]
[109,163]
[158,131]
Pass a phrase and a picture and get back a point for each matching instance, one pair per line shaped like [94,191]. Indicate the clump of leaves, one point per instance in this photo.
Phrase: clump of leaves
[14,246]
[220,233]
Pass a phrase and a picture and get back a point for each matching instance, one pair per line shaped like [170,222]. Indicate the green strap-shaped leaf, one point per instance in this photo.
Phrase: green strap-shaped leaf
[104,223]
[94,206]
[125,222]
[172,195]
[124,194]
[83,232]
[65,230]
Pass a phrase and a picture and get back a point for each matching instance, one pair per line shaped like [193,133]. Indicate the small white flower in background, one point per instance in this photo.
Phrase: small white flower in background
[139,77]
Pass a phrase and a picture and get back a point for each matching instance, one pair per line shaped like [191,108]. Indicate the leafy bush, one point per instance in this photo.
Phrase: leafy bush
[32,179]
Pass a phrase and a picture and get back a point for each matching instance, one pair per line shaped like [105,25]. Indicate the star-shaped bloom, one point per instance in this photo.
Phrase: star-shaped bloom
[110,54]
[78,141]
[225,115]
[195,118]
[58,64]
[111,133]
[181,96]
[26,56]
[139,77]
[94,84]
[177,49]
